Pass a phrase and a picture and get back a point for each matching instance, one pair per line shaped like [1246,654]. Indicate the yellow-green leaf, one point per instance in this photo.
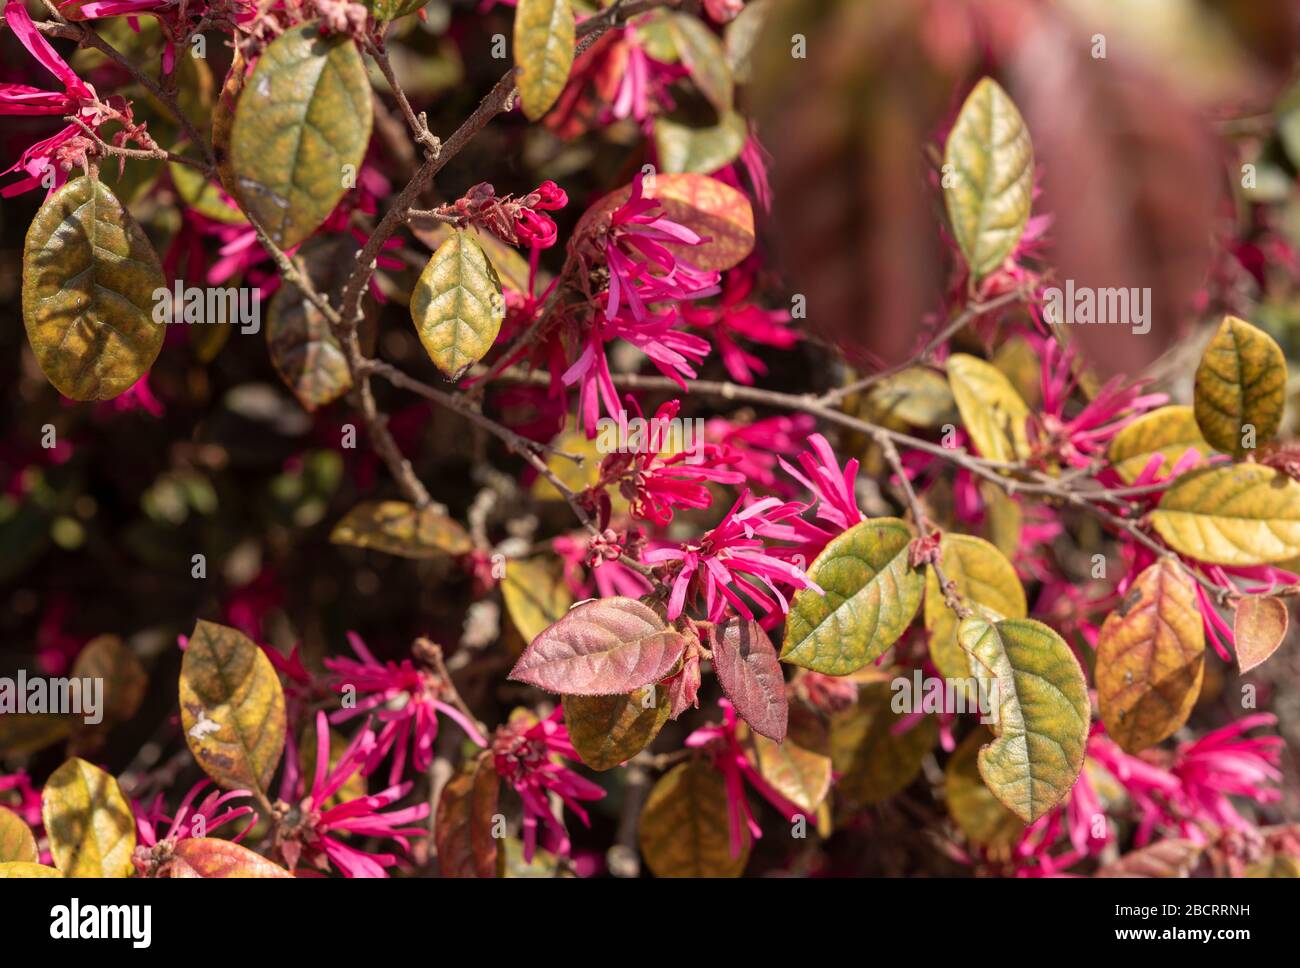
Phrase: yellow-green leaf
[510,266]
[977,812]
[398,528]
[799,768]
[88,821]
[916,396]
[1241,383]
[1259,628]
[304,350]
[20,869]
[89,278]
[1169,431]
[1241,515]
[535,595]
[984,579]
[992,412]
[988,177]
[1041,727]
[232,707]
[204,195]
[685,147]
[457,305]
[544,35]
[1150,658]
[300,131]
[872,762]
[702,53]
[392,9]
[872,595]
[609,730]
[684,830]
[16,840]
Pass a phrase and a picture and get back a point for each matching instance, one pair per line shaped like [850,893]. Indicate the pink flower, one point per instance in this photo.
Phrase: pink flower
[153,851]
[757,447]
[1080,439]
[310,830]
[530,757]
[1222,764]
[730,564]
[733,319]
[18,794]
[723,10]
[641,268]
[55,154]
[834,489]
[404,699]
[730,759]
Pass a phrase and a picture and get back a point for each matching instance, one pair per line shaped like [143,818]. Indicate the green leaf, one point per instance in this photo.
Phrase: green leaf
[872,761]
[16,840]
[688,148]
[543,44]
[89,278]
[684,830]
[1168,431]
[392,9]
[1150,658]
[232,708]
[511,267]
[974,808]
[609,730]
[304,351]
[702,53]
[1042,712]
[535,595]
[915,396]
[872,594]
[1240,383]
[204,196]
[88,821]
[985,579]
[799,767]
[992,175]
[301,129]
[210,857]
[992,412]
[398,528]
[457,306]
[1241,515]
[741,35]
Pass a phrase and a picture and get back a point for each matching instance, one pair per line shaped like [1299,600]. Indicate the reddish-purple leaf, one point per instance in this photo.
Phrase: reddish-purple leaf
[601,648]
[747,667]
[684,688]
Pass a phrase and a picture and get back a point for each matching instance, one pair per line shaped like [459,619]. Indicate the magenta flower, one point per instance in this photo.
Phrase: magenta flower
[730,759]
[835,492]
[1079,440]
[641,269]
[757,447]
[730,564]
[530,757]
[308,829]
[18,794]
[57,153]
[734,319]
[154,849]
[1222,764]
[404,698]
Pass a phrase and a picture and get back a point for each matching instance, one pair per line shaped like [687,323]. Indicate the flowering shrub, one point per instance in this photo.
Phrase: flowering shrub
[685,439]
